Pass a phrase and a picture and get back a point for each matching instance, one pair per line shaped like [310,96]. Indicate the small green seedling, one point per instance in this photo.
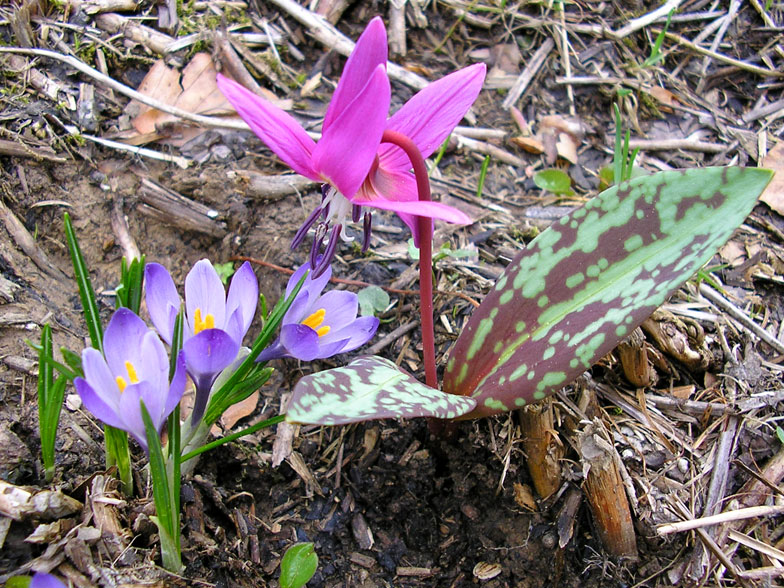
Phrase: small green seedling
[298,565]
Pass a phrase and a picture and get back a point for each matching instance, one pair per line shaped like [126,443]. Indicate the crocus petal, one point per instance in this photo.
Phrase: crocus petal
[209,352]
[300,341]
[95,403]
[121,341]
[43,580]
[274,351]
[369,52]
[348,147]
[153,365]
[163,302]
[100,377]
[340,308]
[277,129]
[355,334]
[432,113]
[204,291]
[310,291]
[329,349]
[154,400]
[243,296]
[131,411]
[177,387]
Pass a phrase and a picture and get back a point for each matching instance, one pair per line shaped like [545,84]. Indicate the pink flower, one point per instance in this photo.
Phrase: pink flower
[357,169]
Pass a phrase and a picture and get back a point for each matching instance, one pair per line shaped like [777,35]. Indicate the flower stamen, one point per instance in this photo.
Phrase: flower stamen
[122,384]
[315,319]
[200,324]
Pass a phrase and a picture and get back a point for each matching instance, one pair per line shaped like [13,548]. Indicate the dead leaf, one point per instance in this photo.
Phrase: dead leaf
[664,97]
[505,59]
[195,90]
[773,195]
[566,147]
[239,411]
[524,497]
[529,144]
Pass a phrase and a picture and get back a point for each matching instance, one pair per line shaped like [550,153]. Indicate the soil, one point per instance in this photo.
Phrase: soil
[386,503]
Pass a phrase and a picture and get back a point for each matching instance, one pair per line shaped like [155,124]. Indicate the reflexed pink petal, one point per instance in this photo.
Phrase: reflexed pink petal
[396,191]
[278,129]
[348,148]
[369,52]
[432,114]
[204,291]
[243,296]
[163,302]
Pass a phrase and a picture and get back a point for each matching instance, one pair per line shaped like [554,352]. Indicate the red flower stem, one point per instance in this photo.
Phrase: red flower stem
[425,226]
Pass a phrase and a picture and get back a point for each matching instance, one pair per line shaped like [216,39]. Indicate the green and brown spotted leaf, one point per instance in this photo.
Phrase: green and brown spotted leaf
[369,388]
[586,282]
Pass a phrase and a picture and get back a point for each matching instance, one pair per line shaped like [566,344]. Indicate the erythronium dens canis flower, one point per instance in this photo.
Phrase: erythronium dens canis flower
[215,323]
[134,366]
[319,325]
[360,171]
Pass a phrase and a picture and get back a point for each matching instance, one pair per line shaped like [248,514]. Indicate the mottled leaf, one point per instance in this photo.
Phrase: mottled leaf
[369,388]
[591,278]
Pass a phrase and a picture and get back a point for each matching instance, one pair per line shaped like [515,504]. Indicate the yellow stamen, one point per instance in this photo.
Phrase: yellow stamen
[131,372]
[323,330]
[134,379]
[199,325]
[315,319]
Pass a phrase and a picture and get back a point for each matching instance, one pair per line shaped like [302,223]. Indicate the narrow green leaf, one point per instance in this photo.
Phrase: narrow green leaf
[482,175]
[369,388]
[586,282]
[233,437]
[73,361]
[170,552]
[298,565]
[86,293]
[618,155]
[160,480]
[49,423]
[119,454]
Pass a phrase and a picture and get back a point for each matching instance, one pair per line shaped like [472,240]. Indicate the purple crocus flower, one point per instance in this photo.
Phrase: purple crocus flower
[134,366]
[43,580]
[319,325]
[386,181]
[215,323]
